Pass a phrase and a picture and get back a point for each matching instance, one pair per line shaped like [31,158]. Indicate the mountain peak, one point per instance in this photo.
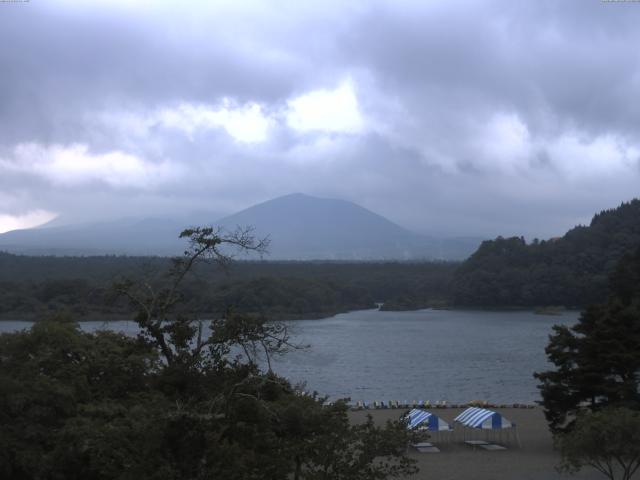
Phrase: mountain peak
[305,227]
[304,197]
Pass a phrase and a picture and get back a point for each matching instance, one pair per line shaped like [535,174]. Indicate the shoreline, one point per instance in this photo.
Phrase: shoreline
[536,459]
[442,405]
[312,316]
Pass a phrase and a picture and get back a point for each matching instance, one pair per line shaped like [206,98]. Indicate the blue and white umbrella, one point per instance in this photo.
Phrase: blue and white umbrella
[475,417]
[417,418]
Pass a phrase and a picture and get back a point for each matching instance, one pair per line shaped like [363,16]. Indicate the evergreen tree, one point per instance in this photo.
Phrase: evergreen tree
[598,359]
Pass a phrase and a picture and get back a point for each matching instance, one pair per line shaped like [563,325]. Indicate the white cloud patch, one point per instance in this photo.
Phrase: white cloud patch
[326,110]
[70,165]
[246,123]
[318,111]
[579,156]
[30,219]
[506,143]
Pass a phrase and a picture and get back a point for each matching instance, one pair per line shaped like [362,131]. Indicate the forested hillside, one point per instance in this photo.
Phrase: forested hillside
[569,271]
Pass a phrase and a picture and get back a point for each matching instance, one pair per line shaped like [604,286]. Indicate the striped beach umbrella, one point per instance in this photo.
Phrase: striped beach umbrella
[418,418]
[475,417]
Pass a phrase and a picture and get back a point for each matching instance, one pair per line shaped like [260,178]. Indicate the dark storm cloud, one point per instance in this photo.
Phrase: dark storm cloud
[574,59]
[60,64]
[467,117]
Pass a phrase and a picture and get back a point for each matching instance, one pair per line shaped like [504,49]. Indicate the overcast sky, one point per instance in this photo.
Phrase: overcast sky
[448,117]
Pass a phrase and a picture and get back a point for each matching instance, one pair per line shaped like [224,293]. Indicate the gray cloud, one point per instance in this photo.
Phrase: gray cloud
[477,118]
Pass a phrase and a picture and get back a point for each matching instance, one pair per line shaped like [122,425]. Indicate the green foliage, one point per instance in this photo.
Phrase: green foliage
[54,375]
[33,287]
[175,403]
[569,271]
[325,446]
[608,440]
[597,361]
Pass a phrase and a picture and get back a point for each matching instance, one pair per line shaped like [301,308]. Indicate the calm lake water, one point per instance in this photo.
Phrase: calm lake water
[431,355]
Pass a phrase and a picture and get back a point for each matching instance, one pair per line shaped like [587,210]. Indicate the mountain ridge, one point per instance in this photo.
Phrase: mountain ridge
[300,227]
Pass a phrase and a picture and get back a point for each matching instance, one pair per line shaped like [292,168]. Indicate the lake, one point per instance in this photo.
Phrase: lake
[453,355]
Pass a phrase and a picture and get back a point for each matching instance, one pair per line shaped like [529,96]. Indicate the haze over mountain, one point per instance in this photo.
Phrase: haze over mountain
[131,236]
[300,227]
[305,227]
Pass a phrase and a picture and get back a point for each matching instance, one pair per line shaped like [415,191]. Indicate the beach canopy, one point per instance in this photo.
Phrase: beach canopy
[475,417]
[417,418]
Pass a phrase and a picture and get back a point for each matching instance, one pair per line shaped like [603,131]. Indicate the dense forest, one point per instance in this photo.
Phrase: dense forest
[570,271]
[34,286]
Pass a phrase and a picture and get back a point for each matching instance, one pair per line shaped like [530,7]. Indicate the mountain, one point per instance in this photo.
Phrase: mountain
[300,227]
[133,236]
[309,228]
[570,271]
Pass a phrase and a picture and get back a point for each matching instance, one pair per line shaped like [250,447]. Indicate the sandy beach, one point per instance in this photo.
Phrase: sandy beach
[535,460]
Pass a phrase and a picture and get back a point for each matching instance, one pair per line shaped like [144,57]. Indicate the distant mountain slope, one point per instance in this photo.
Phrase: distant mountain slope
[303,227]
[300,227]
[123,237]
[570,271]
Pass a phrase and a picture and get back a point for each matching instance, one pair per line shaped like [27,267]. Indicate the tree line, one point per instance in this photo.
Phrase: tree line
[31,287]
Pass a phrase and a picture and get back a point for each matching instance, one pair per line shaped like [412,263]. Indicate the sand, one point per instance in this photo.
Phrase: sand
[536,459]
